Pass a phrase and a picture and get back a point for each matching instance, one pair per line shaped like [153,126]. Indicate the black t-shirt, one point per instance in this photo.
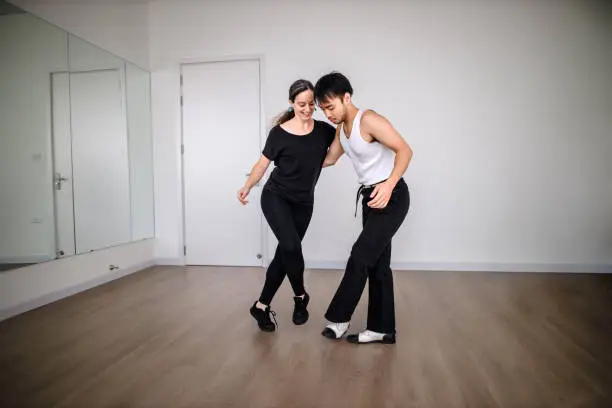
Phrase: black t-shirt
[298,160]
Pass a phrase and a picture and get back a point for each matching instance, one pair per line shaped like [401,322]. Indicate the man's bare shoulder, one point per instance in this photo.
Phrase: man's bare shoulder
[371,118]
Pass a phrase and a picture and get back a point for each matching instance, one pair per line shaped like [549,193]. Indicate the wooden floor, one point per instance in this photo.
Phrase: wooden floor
[182,337]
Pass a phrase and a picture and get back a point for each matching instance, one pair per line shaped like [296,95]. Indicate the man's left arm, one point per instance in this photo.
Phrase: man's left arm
[381,130]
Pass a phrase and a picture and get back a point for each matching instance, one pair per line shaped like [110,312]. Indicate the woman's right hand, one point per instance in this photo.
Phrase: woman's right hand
[242,195]
[255,175]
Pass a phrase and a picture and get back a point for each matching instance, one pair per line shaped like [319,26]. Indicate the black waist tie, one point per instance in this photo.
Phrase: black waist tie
[363,189]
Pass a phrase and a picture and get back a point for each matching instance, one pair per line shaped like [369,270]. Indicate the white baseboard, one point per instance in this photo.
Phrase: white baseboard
[453,266]
[60,294]
[479,267]
[31,259]
[398,266]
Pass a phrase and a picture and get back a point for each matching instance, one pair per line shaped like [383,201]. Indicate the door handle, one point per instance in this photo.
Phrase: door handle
[58,180]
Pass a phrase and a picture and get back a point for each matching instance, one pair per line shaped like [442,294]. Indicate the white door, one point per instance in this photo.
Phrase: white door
[221,137]
[99,160]
[62,165]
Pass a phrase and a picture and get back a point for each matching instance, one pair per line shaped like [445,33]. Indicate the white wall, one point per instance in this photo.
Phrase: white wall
[506,105]
[27,288]
[119,28]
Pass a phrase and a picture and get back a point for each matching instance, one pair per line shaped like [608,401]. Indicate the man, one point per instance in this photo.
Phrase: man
[380,157]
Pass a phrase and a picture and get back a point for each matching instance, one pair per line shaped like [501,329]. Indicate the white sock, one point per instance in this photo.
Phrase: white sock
[339,328]
[369,335]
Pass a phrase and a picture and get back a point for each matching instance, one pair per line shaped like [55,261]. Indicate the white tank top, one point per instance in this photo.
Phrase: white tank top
[373,161]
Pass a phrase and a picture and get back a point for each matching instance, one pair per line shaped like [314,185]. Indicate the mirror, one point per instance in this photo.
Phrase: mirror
[76,154]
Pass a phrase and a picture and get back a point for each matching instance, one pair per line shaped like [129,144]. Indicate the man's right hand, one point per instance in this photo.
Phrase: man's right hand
[242,195]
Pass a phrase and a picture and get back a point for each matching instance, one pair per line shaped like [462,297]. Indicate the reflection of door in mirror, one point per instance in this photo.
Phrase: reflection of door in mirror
[99,160]
[141,151]
[92,196]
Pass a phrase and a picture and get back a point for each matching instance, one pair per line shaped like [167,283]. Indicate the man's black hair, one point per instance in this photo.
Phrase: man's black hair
[332,85]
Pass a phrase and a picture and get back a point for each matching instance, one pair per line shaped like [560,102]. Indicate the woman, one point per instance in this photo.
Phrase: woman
[297,145]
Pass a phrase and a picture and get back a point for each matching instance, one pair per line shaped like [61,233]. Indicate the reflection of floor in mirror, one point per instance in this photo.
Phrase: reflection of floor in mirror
[183,337]
[7,267]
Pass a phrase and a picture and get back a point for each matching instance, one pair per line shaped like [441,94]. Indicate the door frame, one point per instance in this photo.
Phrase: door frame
[263,239]
[53,162]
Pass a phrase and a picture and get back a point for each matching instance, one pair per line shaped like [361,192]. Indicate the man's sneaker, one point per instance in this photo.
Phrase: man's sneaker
[263,318]
[369,336]
[300,313]
[336,331]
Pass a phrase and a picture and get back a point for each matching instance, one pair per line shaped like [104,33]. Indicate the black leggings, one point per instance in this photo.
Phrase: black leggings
[289,222]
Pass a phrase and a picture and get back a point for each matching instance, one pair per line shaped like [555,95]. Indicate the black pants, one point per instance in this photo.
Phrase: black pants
[289,222]
[371,258]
